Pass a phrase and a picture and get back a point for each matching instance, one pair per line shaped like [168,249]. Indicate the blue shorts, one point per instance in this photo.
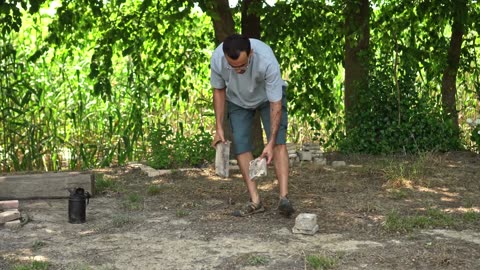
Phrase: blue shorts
[241,121]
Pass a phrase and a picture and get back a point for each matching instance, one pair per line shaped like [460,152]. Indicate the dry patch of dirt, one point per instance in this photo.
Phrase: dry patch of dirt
[387,212]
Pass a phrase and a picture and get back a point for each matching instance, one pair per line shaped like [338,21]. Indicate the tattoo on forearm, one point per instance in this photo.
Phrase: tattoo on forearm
[275,116]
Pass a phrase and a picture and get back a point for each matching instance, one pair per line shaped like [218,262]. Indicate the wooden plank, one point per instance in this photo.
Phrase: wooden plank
[44,185]
[5,205]
[222,157]
[9,215]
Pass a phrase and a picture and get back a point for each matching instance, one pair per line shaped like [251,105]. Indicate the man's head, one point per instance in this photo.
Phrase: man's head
[237,51]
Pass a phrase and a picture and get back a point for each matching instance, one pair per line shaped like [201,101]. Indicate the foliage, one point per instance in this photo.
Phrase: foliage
[85,83]
[176,150]
[474,125]
[389,125]
[311,63]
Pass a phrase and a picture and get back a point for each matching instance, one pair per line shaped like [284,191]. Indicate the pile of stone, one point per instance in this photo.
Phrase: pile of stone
[307,152]
[9,214]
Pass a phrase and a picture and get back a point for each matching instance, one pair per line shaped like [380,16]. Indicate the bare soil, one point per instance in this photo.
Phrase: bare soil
[184,221]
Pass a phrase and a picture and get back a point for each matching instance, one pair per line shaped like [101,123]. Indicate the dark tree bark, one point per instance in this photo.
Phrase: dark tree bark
[449,79]
[222,18]
[357,37]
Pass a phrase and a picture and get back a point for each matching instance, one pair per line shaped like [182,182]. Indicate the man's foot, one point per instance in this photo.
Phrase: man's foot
[249,209]
[285,207]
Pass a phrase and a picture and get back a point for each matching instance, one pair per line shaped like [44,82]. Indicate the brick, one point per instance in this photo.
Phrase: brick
[339,163]
[5,205]
[13,224]
[9,215]
[305,156]
[305,223]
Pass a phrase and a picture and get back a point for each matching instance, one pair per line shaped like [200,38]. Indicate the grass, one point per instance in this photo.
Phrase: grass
[433,218]
[182,213]
[153,190]
[256,260]
[38,245]
[321,262]
[103,184]
[120,221]
[35,265]
[133,202]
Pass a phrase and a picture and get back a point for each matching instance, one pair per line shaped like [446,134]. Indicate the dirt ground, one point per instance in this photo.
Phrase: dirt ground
[384,212]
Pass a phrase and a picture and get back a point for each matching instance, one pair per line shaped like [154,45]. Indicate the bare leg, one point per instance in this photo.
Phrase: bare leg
[280,156]
[243,162]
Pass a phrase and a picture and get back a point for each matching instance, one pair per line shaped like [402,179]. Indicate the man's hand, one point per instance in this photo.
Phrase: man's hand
[219,137]
[268,153]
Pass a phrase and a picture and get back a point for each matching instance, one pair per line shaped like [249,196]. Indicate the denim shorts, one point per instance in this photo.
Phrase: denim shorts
[241,121]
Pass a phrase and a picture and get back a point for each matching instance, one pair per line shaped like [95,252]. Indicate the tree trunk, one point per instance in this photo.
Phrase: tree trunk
[251,28]
[449,80]
[357,37]
[222,19]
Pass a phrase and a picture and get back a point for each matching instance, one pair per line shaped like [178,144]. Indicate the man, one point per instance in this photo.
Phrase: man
[246,74]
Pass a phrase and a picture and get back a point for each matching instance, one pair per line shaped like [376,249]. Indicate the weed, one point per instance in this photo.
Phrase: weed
[398,194]
[133,202]
[182,213]
[471,216]
[38,245]
[103,184]
[433,218]
[35,265]
[321,262]
[255,260]
[154,190]
[121,221]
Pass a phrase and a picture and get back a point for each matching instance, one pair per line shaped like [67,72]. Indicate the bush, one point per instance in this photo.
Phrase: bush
[171,149]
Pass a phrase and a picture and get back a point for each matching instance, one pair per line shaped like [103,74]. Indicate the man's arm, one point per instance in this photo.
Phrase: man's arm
[275,116]
[219,108]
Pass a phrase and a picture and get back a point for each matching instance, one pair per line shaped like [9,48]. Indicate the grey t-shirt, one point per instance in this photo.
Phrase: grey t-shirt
[261,82]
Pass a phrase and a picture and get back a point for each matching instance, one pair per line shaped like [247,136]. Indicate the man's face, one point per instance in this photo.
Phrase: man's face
[240,65]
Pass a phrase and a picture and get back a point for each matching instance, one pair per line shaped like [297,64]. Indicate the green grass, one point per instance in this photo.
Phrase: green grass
[433,218]
[121,221]
[133,202]
[321,262]
[38,245]
[35,265]
[471,216]
[103,184]
[153,190]
[255,260]
[182,213]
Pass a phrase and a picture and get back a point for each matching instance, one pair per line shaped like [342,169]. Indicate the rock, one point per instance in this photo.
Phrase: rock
[339,163]
[9,215]
[305,156]
[306,223]
[15,224]
[320,161]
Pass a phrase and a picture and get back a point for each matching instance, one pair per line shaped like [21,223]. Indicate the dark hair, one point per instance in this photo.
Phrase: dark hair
[235,44]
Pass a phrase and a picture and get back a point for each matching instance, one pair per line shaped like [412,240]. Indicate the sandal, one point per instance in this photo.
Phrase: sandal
[249,209]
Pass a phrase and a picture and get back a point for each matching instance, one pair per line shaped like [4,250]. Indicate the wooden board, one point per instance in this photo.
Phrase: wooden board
[44,185]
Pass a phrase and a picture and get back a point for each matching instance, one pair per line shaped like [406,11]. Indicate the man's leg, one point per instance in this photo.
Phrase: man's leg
[243,162]
[241,122]
[280,161]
